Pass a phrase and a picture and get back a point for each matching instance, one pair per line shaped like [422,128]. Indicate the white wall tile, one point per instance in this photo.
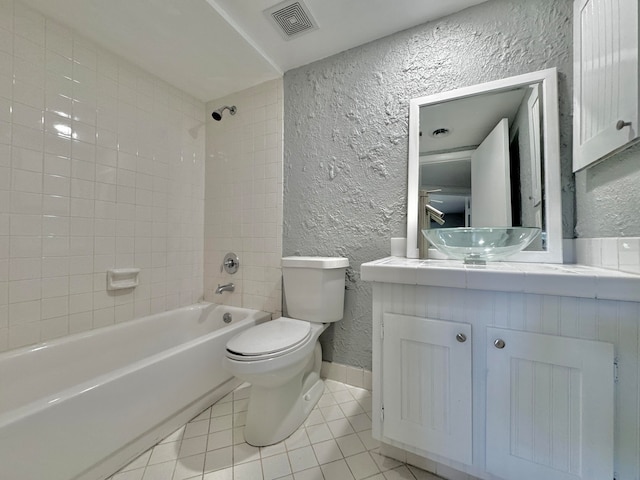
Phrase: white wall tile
[240,216]
[622,253]
[92,142]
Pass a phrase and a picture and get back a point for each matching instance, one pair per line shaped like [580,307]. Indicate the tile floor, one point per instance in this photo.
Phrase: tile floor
[333,444]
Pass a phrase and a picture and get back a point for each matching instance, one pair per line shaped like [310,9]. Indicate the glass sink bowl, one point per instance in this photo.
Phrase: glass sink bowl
[477,245]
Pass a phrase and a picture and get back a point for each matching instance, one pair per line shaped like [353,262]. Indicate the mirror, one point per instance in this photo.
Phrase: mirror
[488,155]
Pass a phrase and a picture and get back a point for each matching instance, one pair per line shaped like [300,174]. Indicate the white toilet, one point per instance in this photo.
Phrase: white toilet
[282,358]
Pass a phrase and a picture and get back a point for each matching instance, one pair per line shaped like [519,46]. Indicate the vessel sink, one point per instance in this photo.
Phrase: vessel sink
[477,245]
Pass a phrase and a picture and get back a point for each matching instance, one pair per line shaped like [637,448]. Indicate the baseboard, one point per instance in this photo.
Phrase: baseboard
[354,376]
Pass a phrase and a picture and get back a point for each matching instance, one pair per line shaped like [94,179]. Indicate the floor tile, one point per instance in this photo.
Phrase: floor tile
[239,419]
[238,435]
[326,400]
[337,470]
[314,418]
[226,474]
[164,452]
[139,462]
[311,474]
[360,422]
[335,443]
[384,463]
[302,459]
[334,386]
[225,422]
[271,450]
[240,405]
[196,429]
[332,412]
[327,452]
[175,436]
[248,471]
[351,409]
[350,445]
[245,453]
[367,440]
[193,446]
[365,403]
[188,467]
[318,433]
[206,415]
[343,396]
[276,466]
[297,440]
[362,465]
[340,427]
[220,439]
[218,459]
[160,471]
[222,409]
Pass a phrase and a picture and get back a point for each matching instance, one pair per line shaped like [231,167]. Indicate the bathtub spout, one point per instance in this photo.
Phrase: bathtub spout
[227,287]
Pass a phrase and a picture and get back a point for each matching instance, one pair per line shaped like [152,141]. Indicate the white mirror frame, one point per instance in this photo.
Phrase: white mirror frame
[553,200]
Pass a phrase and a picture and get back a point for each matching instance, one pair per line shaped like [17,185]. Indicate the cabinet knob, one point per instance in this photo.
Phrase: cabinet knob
[461,337]
[621,124]
[499,343]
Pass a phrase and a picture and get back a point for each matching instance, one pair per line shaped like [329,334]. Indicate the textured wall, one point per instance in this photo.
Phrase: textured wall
[608,197]
[345,124]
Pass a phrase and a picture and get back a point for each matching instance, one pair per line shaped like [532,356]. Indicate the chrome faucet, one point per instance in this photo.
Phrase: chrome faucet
[435,214]
[227,287]
[426,213]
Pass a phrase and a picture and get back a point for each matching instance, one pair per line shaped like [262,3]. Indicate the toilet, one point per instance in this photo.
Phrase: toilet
[282,358]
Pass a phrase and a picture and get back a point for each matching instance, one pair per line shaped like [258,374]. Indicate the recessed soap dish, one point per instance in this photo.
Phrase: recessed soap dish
[121,278]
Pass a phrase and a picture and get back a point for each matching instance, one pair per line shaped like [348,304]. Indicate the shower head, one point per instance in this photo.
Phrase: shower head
[217,114]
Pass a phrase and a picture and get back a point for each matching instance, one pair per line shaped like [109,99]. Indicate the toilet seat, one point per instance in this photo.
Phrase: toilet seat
[269,340]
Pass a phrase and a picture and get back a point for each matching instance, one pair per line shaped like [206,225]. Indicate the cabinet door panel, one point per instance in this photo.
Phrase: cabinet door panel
[549,407]
[427,385]
[605,78]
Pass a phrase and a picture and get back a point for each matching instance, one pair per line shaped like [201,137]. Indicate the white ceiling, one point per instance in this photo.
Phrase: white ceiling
[466,131]
[210,48]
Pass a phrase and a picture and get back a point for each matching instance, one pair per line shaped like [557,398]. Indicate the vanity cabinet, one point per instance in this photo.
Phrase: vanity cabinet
[547,353]
[605,117]
[426,369]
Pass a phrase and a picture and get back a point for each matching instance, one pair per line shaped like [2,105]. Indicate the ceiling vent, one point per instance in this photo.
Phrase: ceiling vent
[291,19]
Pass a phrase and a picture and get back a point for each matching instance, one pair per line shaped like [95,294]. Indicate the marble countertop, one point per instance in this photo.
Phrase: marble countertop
[565,280]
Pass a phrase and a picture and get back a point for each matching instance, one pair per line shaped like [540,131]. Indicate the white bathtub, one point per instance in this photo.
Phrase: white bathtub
[83,406]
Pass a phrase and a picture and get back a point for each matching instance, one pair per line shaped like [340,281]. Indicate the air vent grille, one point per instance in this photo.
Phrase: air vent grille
[292,18]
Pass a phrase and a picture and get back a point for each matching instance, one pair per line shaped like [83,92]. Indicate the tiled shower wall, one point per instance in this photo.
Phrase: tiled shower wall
[243,205]
[101,165]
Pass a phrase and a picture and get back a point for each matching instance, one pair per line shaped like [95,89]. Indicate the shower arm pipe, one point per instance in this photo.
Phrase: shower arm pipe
[217,114]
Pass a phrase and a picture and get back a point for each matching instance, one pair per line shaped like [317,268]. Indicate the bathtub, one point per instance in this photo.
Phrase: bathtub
[83,406]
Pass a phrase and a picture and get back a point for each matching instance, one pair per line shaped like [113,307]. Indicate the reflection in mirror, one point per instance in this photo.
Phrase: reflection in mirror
[484,170]
[487,156]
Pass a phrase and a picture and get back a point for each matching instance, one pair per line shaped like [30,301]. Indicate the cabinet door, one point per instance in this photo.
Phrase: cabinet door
[605,78]
[549,407]
[426,386]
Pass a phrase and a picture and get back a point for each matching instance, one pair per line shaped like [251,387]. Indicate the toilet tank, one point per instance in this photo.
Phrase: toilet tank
[314,287]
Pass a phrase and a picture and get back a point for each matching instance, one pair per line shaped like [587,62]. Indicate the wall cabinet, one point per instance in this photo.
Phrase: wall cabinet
[461,379]
[605,116]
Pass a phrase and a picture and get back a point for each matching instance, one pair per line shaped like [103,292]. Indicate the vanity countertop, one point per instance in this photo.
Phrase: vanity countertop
[565,280]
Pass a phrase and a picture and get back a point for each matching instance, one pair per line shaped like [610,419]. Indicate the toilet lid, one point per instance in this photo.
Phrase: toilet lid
[270,337]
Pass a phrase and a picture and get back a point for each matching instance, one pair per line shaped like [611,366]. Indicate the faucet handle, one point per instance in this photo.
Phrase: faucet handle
[231,263]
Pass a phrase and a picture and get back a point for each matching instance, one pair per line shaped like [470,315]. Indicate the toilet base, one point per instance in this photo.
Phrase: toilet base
[275,413]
